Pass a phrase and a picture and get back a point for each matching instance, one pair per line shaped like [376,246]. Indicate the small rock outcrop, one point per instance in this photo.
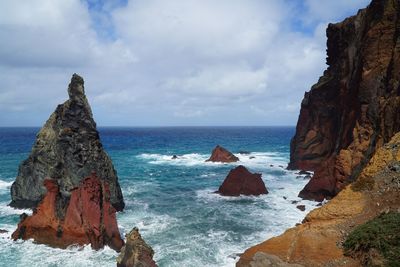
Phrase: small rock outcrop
[135,253]
[67,149]
[220,154]
[81,216]
[2,231]
[355,106]
[242,182]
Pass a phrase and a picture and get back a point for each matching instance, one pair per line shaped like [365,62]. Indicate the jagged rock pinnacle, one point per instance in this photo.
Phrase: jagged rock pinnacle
[76,87]
[68,149]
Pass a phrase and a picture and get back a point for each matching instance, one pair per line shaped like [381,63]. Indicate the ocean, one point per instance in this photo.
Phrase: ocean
[172,201]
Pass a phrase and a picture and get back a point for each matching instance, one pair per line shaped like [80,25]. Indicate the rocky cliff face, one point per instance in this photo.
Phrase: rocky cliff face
[318,241]
[355,106]
[67,149]
[84,216]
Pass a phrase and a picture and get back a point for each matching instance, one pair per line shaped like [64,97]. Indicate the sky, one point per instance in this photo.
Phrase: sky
[165,63]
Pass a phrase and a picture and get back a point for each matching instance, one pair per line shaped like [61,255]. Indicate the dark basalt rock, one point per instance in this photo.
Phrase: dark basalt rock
[242,182]
[220,154]
[2,231]
[67,149]
[301,207]
[136,253]
[355,106]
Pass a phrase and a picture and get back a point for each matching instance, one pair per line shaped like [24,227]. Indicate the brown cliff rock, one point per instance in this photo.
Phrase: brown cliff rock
[136,253]
[355,106]
[242,182]
[220,154]
[83,216]
[318,240]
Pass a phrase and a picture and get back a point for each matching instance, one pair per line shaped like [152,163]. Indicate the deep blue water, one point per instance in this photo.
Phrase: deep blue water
[171,201]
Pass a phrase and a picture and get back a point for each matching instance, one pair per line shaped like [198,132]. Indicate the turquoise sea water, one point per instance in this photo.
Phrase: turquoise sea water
[171,201]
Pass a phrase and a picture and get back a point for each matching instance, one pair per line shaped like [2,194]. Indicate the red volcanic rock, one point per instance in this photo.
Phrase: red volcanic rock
[355,106]
[220,154]
[85,216]
[242,182]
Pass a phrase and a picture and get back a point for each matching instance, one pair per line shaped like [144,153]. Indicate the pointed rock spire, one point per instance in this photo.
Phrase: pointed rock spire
[67,149]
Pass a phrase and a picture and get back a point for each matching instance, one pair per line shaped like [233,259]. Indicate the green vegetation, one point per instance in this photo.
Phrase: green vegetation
[381,235]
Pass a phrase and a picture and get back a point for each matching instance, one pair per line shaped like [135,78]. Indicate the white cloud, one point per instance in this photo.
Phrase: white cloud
[221,81]
[332,11]
[169,62]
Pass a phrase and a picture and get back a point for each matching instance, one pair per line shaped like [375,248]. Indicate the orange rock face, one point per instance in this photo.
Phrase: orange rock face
[220,154]
[242,182]
[355,106]
[83,216]
[318,240]
[136,253]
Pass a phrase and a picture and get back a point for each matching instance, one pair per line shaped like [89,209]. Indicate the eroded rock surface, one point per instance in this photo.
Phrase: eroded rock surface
[242,182]
[220,154]
[355,106]
[82,216]
[67,149]
[136,253]
[318,240]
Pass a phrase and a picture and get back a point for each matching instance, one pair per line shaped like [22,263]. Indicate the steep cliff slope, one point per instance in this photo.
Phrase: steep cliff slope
[318,241]
[355,106]
[67,149]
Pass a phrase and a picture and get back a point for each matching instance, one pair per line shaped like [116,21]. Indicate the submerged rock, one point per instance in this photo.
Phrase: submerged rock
[2,231]
[220,154]
[355,106]
[301,207]
[81,216]
[67,149]
[242,182]
[136,253]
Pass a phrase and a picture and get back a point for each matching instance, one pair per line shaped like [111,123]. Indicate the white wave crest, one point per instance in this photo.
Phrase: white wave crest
[253,159]
[5,185]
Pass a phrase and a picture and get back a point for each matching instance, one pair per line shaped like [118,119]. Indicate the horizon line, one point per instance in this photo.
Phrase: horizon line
[157,126]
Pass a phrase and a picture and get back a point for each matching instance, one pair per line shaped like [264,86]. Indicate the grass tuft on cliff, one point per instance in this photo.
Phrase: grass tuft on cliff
[376,242]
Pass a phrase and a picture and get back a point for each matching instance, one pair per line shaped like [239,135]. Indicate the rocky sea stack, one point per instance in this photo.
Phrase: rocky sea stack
[136,253]
[220,154]
[84,216]
[67,149]
[242,182]
[355,106]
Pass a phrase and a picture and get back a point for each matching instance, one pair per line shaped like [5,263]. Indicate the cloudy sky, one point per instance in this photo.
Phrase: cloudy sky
[164,63]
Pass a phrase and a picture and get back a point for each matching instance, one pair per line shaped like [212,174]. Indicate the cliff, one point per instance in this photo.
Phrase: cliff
[355,106]
[86,216]
[318,241]
[67,149]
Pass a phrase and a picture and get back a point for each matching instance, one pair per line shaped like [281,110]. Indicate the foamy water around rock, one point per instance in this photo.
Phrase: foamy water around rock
[171,201]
